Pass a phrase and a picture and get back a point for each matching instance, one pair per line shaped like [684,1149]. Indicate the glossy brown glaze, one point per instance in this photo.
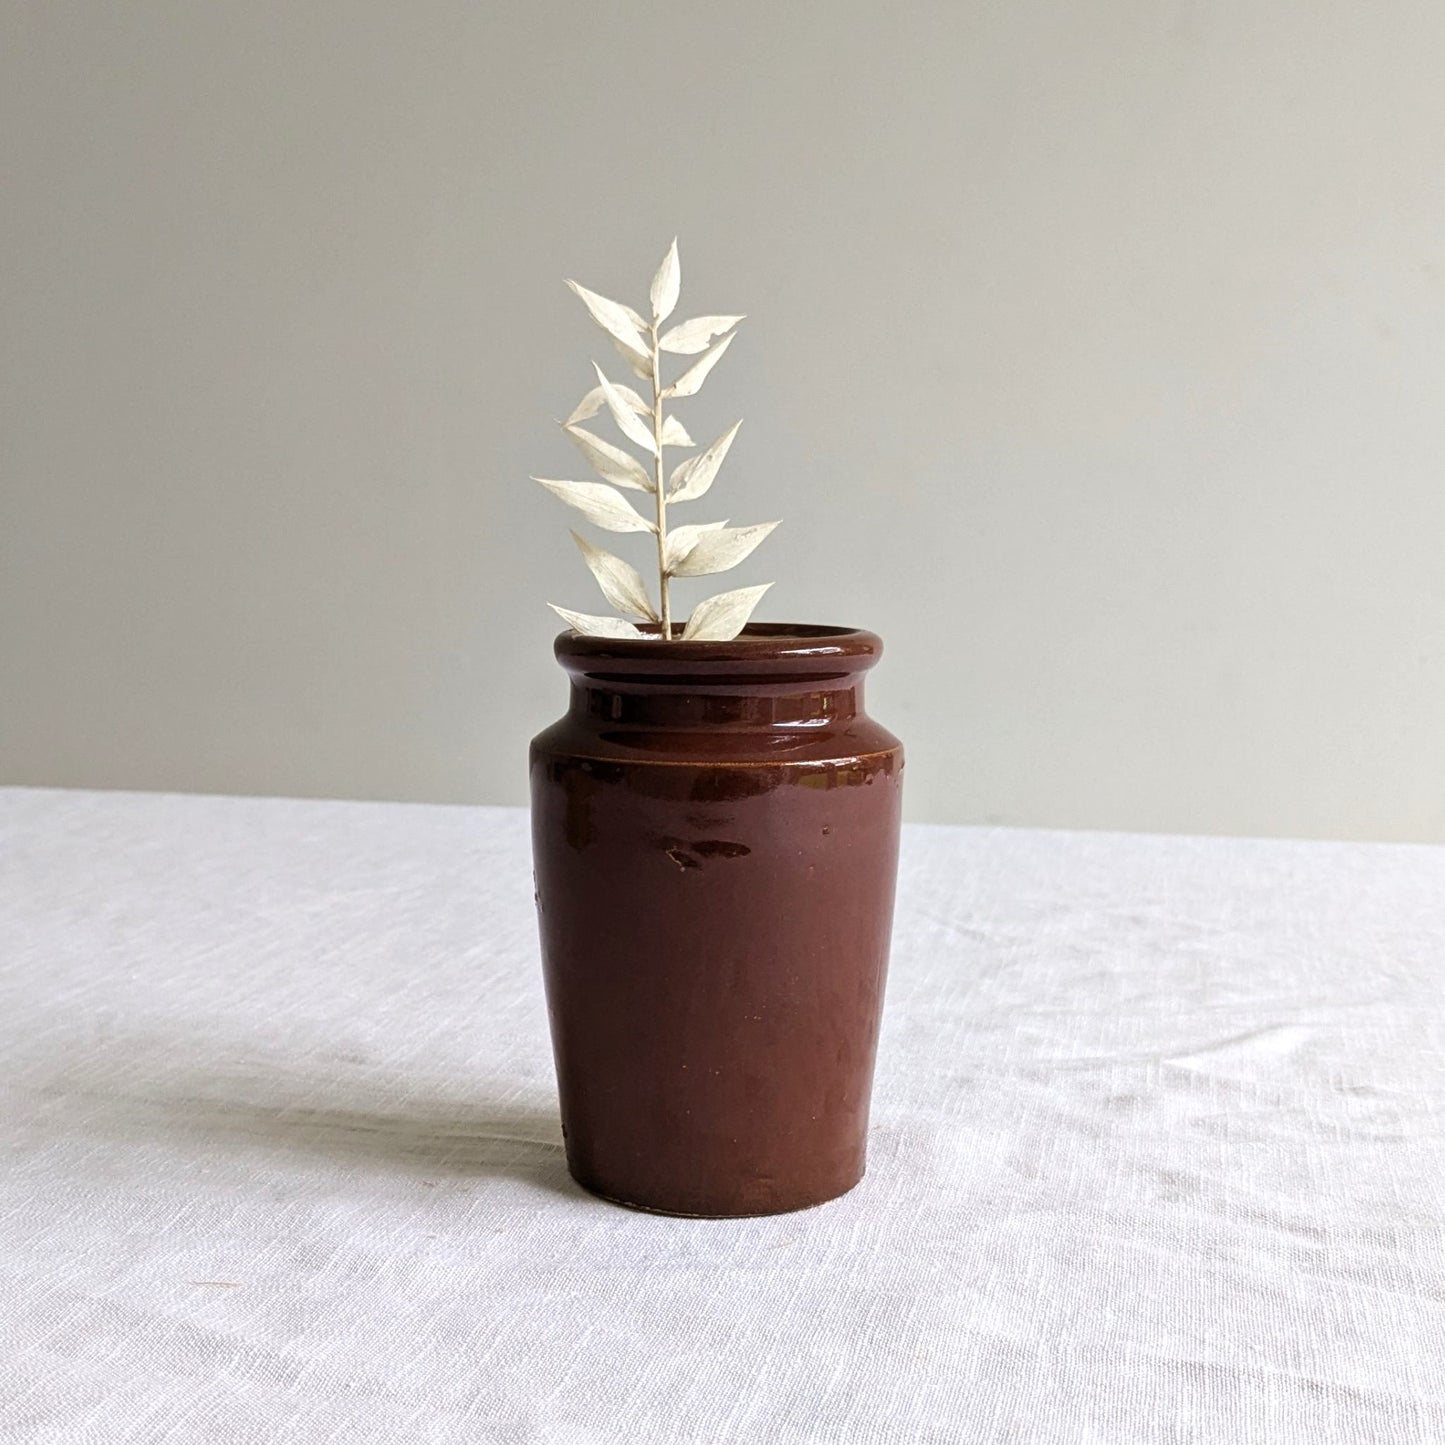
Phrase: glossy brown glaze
[715,833]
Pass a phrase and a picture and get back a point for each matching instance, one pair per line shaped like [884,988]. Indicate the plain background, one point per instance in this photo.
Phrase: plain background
[1094,357]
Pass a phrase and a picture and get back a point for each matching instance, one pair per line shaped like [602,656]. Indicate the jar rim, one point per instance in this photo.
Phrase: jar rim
[758,642]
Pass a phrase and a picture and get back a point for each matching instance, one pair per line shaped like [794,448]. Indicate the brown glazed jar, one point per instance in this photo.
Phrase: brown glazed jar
[715,833]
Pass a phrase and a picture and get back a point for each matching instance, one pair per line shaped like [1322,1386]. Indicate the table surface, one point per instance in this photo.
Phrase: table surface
[1156,1151]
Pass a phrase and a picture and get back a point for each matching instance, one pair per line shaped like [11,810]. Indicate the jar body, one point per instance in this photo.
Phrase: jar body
[715,842]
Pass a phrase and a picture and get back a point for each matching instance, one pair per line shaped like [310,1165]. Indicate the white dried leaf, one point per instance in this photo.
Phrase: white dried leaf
[620,581]
[615,465]
[681,541]
[620,322]
[721,618]
[690,479]
[717,551]
[591,626]
[594,401]
[639,361]
[627,420]
[666,284]
[599,503]
[674,434]
[690,382]
[690,337]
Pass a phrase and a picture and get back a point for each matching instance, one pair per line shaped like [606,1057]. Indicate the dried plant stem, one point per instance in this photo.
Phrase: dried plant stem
[699,549]
[664,600]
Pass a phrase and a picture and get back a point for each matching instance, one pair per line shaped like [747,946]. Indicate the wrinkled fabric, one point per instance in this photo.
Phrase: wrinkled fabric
[1156,1152]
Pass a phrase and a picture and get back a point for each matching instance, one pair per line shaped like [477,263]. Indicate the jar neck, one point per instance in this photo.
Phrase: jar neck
[772,703]
[773,677]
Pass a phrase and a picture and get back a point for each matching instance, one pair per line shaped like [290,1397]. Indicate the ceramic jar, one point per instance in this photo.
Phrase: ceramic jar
[715,831]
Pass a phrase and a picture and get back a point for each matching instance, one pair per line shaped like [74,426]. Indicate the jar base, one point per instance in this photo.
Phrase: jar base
[600,1193]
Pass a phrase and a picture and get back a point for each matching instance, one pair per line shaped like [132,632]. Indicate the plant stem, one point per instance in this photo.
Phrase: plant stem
[662,577]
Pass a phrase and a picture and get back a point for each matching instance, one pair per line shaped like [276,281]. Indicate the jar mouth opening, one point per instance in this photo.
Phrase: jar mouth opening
[796,642]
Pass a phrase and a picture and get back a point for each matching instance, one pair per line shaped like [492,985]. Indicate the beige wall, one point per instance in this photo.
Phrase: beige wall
[1094,358]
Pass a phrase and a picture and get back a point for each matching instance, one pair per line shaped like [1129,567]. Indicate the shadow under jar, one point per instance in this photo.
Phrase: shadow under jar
[715,837]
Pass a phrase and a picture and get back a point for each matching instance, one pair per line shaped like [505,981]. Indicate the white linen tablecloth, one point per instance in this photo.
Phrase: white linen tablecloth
[1156,1151]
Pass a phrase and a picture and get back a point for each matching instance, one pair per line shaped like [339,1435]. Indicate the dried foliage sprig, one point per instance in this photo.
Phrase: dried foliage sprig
[693,550]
